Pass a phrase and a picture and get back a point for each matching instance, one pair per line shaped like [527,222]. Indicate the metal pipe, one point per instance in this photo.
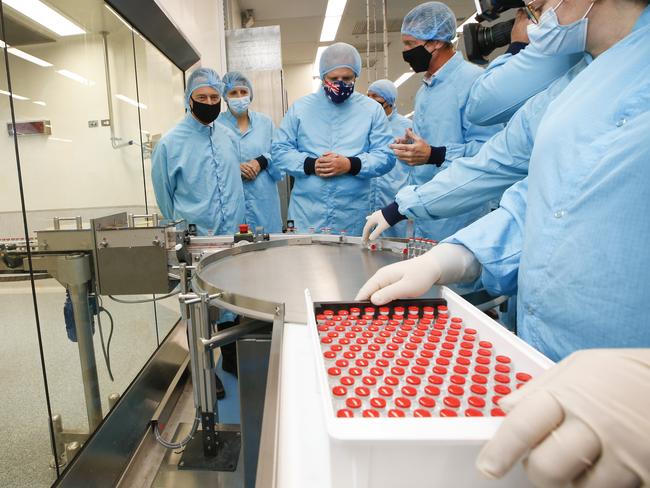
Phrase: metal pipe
[192,340]
[109,90]
[83,326]
[385,14]
[207,370]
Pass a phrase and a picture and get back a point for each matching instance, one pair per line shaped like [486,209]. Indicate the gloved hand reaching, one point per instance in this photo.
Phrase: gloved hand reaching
[375,225]
[585,421]
[445,263]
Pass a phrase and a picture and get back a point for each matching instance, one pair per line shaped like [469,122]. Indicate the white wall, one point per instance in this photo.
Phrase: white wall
[298,81]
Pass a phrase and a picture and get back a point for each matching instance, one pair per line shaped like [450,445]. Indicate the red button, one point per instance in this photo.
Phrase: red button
[502,368]
[333,371]
[502,389]
[369,380]
[476,402]
[457,379]
[385,391]
[452,402]
[482,369]
[503,359]
[339,390]
[355,371]
[353,402]
[362,363]
[439,370]
[461,369]
[432,390]
[418,370]
[427,402]
[382,363]
[342,363]
[497,412]
[413,380]
[502,378]
[409,391]
[329,354]
[362,391]
[378,402]
[445,412]
[421,413]
[483,360]
[480,379]
[395,413]
[478,389]
[435,380]
[344,413]
[523,377]
[472,412]
[403,402]
[456,390]
[347,380]
[391,380]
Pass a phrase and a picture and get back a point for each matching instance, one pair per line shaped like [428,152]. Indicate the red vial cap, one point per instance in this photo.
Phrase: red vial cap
[397,370]
[362,322]
[369,310]
[477,402]
[466,353]
[502,378]
[339,328]
[355,348]
[339,390]
[347,380]
[378,402]
[323,328]
[502,368]
[434,379]
[484,352]
[496,399]
[463,361]
[385,391]
[399,309]
[432,390]
[414,340]
[478,389]
[523,377]
[456,390]
[369,355]
[427,402]
[391,380]
[361,363]
[485,344]
[326,340]
[452,402]
[480,369]
[446,354]
[480,379]
[371,413]
[410,346]
[329,354]
[457,379]
[460,369]
[448,345]
[345,413]
[375,372]
[467,345]
[362,391]
[418,370]
[394,412]
[452,333]
[408,354]
[374,347]
[445,412]
[497,412]
[457,320]
[426,354]
[413,380]
[472,412]
[402,402]
[343,313]
[355,371]
[429,347]
[342,363]
[392,347]
[439,370]
[355,311]
[382,363]
[345,341]
[334,371]
[422,361]
[369,380]
[503,359]
[353,402]
[420,412]
[469,338]
[502,389]
[409,391]
[402,362]
[470,331]
[483,360]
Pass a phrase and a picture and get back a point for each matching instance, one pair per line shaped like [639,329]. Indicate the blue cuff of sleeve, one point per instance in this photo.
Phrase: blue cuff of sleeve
[437,156]
[391,214]
[355,166]
[515,47]
[264,163]
[310,166]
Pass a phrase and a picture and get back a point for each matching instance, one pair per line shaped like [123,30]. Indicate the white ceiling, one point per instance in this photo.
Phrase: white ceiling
[301,21]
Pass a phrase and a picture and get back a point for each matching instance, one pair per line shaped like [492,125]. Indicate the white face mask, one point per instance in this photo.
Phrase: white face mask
[550,37]
[239,105]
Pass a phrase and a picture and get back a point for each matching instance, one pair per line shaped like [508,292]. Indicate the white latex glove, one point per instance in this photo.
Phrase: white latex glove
[445,263]
[377,222]
[585,421]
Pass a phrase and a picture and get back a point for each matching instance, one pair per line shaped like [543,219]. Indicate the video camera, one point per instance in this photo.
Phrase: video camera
[481,41]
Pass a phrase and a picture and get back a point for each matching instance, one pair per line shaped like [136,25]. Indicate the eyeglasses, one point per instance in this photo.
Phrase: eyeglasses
[532,12]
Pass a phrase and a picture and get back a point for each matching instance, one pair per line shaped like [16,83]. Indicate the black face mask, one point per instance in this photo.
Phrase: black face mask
[205,112]
[418,57]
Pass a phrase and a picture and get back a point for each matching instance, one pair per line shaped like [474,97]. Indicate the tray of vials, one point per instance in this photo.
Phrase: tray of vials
[412,375]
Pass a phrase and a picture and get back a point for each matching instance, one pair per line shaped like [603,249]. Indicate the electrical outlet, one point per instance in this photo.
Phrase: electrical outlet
[93,123]
[106,122]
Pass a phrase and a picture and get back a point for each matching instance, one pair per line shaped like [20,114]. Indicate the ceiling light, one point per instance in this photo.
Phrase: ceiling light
[75,77]
[46,16]
[470,20]
[40,102]
[130,101]
[28,57]
[13,95]
[319,53]
[333,14]
[403,78]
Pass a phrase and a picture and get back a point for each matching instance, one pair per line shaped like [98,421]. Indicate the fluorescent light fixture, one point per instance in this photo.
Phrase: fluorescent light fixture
[409,115]
[40,102]
[75,77]
[319,53]
[470,20]
[13,95]
[399,81]
[333,14]
[28,57]
[130,101]
[46,16]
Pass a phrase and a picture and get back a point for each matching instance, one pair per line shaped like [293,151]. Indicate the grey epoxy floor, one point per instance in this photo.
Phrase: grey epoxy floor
[23,415]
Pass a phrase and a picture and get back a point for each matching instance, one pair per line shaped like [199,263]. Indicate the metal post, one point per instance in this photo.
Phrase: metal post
[83,325]
[79,222]
[57,223]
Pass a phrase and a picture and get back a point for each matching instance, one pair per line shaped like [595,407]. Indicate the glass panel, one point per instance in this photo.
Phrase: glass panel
[23,412]
[160,86]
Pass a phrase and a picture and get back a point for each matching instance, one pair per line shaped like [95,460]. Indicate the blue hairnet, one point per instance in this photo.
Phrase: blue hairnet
[430,21]
[202,77]
[386,89]
[340,55]
[234,79]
